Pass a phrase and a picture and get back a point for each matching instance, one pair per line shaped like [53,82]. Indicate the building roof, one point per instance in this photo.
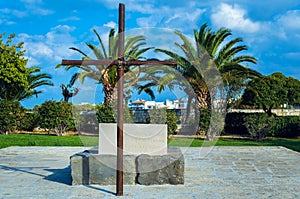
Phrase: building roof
[139,102]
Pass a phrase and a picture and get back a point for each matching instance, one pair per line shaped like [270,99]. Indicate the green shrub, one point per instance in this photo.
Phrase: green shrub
[283,126]
[108,114]
[204,120]
[157,116]
[258,125]
[164,116]
[56,116]
[235,124]
[216,125]
[29,121]
[171,121]
[287,126]
[105,114]
[11,113]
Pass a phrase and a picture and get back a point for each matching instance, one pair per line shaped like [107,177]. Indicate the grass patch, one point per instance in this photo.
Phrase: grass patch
[46,140]
[293,144]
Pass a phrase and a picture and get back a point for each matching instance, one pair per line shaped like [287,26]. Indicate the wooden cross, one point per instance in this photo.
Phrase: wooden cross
[120,63]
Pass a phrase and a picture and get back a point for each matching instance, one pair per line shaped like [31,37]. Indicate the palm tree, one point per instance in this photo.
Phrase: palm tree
[104,75]
[67,90]
[34,81]
[212,54]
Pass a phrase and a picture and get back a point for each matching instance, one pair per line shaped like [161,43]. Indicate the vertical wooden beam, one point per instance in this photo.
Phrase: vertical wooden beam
[120,120]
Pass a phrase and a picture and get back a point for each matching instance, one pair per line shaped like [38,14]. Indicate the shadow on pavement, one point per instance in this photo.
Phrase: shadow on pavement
[60,175]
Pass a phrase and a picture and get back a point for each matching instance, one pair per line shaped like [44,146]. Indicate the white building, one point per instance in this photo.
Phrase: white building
[145,105]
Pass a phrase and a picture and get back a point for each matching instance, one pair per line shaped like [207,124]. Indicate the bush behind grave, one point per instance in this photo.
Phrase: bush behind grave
[280,126]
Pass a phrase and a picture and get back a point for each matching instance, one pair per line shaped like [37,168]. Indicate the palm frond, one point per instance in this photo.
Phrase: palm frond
[95,50]
[101,43]
[81,52]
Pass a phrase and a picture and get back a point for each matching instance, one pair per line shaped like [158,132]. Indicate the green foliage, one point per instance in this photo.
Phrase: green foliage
[56,116]
[212,51]
[107,76]
[216,125]
[271,92]
[29,121]
[235,124]
[16,81]
[108,113]
[204,120]
[284,126]
[11,114]
[157,116]
[288,126]
[45,140]
[164,116]
[172,121]
[105,114]
[35,79]
[258,125]
[293,144]
[67,90]
[13,73]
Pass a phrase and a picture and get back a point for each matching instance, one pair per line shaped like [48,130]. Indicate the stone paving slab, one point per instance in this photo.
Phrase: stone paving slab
[215,172]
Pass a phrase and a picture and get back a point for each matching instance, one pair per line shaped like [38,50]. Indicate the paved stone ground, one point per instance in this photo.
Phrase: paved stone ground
[218,172]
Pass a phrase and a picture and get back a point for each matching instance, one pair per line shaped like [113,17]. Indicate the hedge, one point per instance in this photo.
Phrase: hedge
[283,126]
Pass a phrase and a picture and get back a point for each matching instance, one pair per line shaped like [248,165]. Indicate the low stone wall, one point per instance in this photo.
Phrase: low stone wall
[89,167]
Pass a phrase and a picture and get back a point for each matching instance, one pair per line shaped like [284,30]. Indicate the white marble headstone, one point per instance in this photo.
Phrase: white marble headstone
[138,139]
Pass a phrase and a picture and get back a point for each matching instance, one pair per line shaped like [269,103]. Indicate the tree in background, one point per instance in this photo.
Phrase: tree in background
[212,48]
[271,92]
[16,81]
[35,79]
[213,55]
[11,114]
[56,116]
[67,90]
[104,75]
[13,72]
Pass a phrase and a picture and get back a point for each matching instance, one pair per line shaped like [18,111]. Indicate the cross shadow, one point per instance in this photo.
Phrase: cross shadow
[100,189]
[62,176]
[23,169]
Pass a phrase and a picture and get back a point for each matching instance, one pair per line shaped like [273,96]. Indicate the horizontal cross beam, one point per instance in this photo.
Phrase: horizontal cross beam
[117,62]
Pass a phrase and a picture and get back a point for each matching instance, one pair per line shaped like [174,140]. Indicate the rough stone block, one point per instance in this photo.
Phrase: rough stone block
[166,169]
[89,168]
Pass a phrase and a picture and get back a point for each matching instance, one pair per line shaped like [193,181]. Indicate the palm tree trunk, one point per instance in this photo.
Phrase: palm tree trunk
[110,95]
[203,99]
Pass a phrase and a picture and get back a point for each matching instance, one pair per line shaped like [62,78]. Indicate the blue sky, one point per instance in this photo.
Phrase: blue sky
[271,29]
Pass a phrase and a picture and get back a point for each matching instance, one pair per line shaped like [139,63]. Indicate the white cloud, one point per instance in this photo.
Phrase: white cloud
[179,18]
[51,47]
[14,12]
[39,49]
[234,17]
[110,24]
[293,54]
[72,18]
[142,6]
[291,20]
[35,7]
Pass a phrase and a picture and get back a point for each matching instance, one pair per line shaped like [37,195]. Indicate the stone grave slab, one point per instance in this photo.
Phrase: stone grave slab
[150,139]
